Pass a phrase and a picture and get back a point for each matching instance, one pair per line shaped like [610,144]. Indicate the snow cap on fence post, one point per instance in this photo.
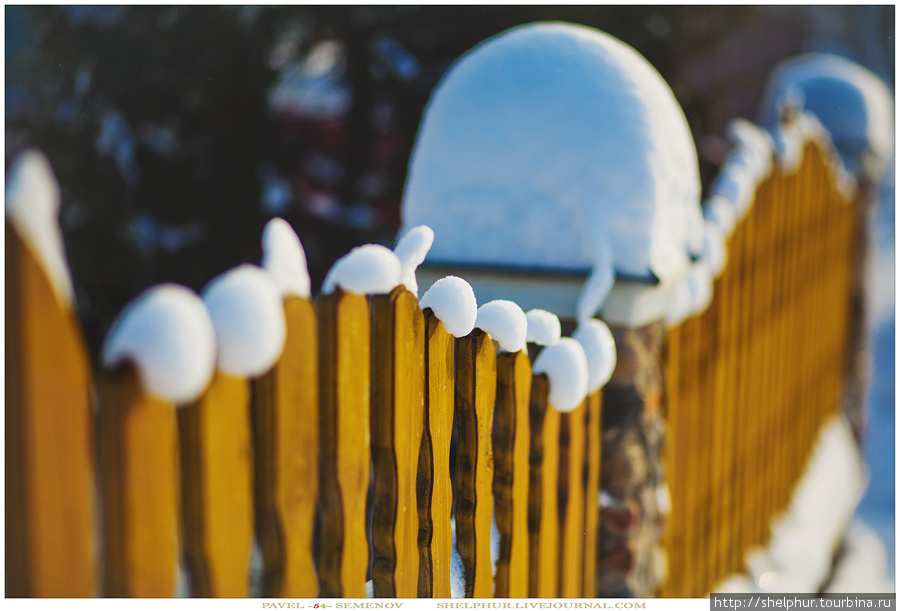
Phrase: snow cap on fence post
[284,259]
[32,207]
[700,283]
[607,162]
[736,184]
[247,313]
[721,213]
[853,104]
[714,249]
[411,250]
[453,302]
[788,146]
[600,350]
[371,269]
[543,327]
[505,322]
[681,308]
[168,335]
[566,367]
[754,147]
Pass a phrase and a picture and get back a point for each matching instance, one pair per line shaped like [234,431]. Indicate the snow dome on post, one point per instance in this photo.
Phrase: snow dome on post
[557,170]
[557,150]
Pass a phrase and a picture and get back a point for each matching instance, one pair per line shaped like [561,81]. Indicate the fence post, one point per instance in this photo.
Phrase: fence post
[286,452]
[571,502]
[217,488]
[511,440]
[543,511]
[476,389]
[344,443]
[434,485]
[398,411]
[49,505]
[593,423]
[138,456]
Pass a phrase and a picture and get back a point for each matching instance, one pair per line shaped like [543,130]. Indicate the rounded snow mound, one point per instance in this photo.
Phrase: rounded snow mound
[168,334]
[852,103]
[566,367]
[247,313]
[453,302]
[548,141]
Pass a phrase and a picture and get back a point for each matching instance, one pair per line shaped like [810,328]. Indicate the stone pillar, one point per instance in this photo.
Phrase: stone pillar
[631,526]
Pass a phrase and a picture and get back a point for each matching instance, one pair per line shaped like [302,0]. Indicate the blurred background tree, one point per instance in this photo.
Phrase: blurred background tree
[177,132]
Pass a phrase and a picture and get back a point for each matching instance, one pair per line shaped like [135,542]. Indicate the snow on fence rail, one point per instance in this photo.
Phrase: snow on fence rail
[338,458]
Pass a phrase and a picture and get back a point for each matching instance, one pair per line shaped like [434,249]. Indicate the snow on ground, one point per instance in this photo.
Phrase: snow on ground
[168,335]
[863,568]
[547,142]
[798,555]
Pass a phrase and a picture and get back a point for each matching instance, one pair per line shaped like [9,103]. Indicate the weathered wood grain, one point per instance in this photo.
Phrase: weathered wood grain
[344,458]
[511,442]
[543,510]
[49,439]
[593,422]
[434,488]
[398,413]
[476,389]
[571,502]
[286,458]
[217,488]
[138,463]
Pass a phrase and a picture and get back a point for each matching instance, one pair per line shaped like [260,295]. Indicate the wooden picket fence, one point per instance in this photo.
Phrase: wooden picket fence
[337,463]
[752,379]
[347,462]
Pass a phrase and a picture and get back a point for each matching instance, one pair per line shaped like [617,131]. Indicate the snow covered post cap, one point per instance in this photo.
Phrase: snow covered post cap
[558,148]
[566,367]
[505,322]
[453,302]
[168,335]
[853,104]
[600,350]
[543,327]
[32,207]
[247,314]
[370,269]
[284,259]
